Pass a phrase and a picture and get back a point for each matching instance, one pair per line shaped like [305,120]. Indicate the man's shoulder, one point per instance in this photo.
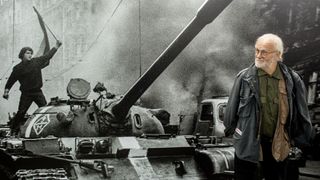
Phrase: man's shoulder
[17,66]
[294,74]
[242,72]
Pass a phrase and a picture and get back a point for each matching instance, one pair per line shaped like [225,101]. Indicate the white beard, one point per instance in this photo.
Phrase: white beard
[264,64]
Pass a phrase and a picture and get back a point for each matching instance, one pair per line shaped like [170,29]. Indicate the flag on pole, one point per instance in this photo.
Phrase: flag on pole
[44,46]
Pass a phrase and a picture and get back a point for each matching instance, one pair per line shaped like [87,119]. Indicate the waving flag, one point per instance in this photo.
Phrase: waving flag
[44,46]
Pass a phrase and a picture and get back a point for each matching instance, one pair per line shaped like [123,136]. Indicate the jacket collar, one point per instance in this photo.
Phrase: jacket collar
[252,71]
[251,76]
[252,79]
[276,74]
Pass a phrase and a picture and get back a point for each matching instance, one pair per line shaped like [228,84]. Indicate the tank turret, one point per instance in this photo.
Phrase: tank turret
[110,114]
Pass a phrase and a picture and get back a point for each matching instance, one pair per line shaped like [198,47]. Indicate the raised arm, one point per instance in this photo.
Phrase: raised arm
[43,61]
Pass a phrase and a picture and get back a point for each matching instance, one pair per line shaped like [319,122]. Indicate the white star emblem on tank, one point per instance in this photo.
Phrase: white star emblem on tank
[41,123]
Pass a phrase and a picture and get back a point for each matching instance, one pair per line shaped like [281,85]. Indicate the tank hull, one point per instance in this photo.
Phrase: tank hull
[125,158]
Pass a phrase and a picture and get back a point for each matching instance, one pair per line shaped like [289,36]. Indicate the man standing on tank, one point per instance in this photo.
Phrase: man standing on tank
[28,73]
[267,113]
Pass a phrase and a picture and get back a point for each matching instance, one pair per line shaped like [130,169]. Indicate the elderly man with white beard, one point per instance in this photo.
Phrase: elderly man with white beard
[267,113]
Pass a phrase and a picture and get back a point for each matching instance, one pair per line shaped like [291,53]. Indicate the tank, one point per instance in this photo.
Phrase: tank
[81,117]
[112,137]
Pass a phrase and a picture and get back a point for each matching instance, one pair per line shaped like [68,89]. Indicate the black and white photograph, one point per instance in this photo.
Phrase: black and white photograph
[160,89]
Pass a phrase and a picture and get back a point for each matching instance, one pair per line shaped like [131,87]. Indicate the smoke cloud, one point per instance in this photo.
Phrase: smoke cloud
[207,67]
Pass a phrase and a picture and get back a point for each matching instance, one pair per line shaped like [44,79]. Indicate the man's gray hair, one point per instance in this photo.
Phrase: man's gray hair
[275,39]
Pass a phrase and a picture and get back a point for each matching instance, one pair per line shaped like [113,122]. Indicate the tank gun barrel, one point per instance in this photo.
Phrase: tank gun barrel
[206,14]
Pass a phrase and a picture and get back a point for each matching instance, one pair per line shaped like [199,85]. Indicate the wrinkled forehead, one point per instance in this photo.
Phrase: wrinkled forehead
[265,44]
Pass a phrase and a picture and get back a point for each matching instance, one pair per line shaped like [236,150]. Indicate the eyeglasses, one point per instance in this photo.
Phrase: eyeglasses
[263,52]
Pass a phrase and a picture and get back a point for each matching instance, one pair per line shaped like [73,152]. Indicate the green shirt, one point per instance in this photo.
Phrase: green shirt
[269,97]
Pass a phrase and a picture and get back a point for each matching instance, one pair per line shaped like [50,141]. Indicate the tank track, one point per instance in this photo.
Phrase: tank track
[56,174]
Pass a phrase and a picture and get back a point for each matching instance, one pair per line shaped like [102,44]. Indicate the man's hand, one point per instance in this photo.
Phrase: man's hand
[58,44]
[6,94]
